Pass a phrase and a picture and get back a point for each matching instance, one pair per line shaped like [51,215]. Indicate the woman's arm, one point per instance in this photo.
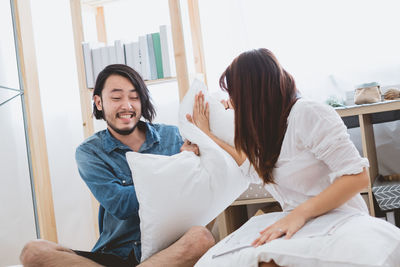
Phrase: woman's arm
[335,195]
[201,118]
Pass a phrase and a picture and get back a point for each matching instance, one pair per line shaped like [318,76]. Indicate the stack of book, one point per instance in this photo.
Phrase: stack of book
[151,55]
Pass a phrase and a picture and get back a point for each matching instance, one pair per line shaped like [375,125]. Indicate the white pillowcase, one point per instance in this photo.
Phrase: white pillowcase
[184,190]
[222,122]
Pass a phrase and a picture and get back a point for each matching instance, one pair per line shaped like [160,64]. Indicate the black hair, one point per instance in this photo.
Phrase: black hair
[148,110]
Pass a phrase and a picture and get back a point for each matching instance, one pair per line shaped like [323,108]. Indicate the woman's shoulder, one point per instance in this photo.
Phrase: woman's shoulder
[310,109]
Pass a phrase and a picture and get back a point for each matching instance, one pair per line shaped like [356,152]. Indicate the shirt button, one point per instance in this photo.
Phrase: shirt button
[123,181]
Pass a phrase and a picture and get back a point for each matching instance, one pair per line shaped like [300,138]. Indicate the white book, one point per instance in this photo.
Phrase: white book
[87,58]
[112,55]
[152,58]
[119,52]
[167,51]
[132,56]
[97,60]
[104,57]
[144,58]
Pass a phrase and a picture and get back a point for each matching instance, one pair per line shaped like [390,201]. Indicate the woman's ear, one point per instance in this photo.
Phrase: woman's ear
[97,101]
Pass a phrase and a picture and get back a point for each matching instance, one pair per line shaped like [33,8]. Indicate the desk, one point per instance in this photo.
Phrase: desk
[363,116]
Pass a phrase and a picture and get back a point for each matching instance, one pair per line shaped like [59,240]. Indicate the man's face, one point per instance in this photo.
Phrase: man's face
[120,103]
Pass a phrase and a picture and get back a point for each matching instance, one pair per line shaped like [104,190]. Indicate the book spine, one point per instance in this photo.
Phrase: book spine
[144,57]
[87,57]
[152,59]
[112,55]
[136,57]
[171,52]
[119,52]
[164,51]
[97,62]
[157,54]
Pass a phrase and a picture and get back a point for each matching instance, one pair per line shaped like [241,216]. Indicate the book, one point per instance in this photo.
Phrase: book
[87,58]
[111,55]
[97,59]
[167,51]
[132,56]
[119,52]
[144,58]
[152,59]
[157,54]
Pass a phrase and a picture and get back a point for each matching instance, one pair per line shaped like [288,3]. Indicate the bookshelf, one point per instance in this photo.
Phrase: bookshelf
[182,75]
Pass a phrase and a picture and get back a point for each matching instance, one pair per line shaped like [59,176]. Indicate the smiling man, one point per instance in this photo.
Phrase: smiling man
[122,99]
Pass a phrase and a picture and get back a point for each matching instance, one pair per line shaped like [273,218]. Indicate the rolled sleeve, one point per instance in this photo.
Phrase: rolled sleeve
[321,130]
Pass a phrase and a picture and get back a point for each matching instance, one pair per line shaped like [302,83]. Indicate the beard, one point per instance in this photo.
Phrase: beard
[120,131]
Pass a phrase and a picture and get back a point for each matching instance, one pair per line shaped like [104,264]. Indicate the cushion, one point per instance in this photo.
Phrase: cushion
[184,190]
[222,122]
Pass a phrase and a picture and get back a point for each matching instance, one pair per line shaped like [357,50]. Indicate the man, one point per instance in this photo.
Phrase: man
[121,98]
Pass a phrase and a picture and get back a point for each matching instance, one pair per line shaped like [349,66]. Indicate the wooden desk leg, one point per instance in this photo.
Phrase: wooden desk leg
[369,151]
[231,219]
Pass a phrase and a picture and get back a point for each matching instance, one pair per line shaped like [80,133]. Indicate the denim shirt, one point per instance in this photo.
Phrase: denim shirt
[103,166]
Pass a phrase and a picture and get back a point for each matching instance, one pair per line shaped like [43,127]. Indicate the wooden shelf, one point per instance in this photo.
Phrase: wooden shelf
[158,81]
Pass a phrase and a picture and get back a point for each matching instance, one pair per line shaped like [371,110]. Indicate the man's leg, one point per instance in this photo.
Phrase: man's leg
[45,253]
[184,252]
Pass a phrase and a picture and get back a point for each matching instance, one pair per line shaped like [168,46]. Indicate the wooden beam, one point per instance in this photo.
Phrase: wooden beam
[369,151]
[197,39]
[85,93]
[101,25]
[179,47]
[369,109]
[34,117]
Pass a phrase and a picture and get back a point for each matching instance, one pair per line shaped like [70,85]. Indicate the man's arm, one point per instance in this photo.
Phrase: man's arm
[118,199]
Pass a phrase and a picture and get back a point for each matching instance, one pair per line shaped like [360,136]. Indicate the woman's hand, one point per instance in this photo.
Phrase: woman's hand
[288,226]
[188,146]
[201,114]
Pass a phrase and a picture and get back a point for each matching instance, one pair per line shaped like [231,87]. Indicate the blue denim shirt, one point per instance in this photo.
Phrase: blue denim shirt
[103,166]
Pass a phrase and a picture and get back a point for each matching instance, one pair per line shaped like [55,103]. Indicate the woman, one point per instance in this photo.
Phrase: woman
[303,154]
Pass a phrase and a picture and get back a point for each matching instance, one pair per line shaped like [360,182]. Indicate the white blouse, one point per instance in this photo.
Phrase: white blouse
[315,151]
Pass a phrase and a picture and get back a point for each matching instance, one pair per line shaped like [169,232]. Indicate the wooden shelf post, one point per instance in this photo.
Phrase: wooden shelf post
[179,47]
[36,133]
[85,93]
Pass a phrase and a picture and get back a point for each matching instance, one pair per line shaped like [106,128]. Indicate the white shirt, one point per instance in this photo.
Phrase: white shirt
[315,151]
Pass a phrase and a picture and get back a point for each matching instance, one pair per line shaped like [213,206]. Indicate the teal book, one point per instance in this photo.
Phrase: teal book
[157,54]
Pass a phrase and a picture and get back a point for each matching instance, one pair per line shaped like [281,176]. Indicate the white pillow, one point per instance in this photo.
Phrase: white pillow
[180,191]
[222,122]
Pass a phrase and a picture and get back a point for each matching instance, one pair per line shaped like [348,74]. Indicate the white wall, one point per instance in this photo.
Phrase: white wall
[17,224]
[328,46]
[62,119]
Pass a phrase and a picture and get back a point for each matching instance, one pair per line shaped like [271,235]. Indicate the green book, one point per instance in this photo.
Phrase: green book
[157,54]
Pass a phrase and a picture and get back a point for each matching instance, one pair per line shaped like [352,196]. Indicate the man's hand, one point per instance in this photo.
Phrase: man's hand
[188,146]
[227,104]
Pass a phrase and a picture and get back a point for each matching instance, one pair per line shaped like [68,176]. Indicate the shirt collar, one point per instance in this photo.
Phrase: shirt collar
[110,143]
[152,137]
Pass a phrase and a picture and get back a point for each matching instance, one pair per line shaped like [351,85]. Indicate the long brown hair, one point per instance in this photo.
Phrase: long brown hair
[262,94]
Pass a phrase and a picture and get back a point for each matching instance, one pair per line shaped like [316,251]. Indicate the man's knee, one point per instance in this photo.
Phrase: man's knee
[199,239]
[35,252]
